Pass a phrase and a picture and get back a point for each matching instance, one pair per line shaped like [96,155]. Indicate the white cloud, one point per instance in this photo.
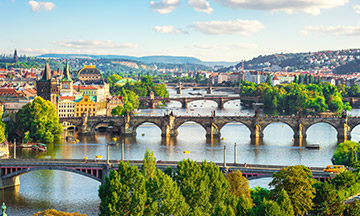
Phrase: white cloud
[95,44]
[289,6]
[357,8]
[169,29]
[243,27]
[223,46]
[164,6]
[333,30]
[201,6]
[39,6]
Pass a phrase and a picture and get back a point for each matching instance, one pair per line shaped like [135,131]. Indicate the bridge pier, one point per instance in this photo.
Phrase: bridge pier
[9,182]
[343,133]
[152,104]
[184,103]
[213,131]
[299,132]
[257,131]
[169,129]
[178,90]
[220,103]
[209,91]
[105,172]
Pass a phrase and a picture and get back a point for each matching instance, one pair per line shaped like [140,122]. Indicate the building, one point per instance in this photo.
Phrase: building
[47,88]
[113,102]
[66,106]
[89,73]
[100,92]
[85,104]
[66,82]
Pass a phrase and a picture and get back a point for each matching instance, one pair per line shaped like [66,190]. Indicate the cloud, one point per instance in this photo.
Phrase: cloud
[201,6]
[238,26]
[223,46]
[169,29]
[357,8]
[39,6]
[289,6]
[164,6]
[333,30]
[95,44]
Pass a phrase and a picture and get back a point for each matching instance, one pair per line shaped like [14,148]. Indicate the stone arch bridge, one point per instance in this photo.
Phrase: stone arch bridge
[169,124]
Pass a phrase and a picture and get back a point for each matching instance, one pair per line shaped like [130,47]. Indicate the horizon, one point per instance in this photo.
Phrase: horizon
[209,30]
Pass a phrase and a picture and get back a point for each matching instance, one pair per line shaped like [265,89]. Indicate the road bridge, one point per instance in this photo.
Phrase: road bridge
[169,124]
[179,87]
[151,102]
[11,169]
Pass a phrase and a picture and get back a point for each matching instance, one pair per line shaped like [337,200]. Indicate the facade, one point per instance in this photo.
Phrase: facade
[100,92]
[85,104]
[66,106]
[47,88]
[113,102]
[89,73]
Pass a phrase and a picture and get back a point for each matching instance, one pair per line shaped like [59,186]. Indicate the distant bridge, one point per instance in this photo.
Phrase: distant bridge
[195,86]
[11,169]
[169,124]
[152,101]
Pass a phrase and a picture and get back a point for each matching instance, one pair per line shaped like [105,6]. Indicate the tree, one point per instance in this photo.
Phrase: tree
[326,201]
[258,195]
[244,206]
[269,208]
[2,129]
[239,185]
[39,117]
[268,80]
[149,165]
[347,154]
[295,79]
[352,209]
[118,111]
[193,183]
[123,192]
[298,182]
[284,203]
[354,91]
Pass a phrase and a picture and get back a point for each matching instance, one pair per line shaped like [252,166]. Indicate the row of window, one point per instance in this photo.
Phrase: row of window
[66,115]
[79,114]
[66,105]
[85,109]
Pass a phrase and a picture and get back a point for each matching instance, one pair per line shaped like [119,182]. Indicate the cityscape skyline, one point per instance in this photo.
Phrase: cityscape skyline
[211,30]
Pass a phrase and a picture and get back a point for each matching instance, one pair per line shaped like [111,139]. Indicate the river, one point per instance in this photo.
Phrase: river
[70,192]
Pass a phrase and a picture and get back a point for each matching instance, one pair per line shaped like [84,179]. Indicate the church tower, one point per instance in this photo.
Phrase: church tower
[47,88]
[15,56]
[66,82]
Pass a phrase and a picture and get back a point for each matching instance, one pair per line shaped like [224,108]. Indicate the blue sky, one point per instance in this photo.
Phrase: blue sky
[211,30]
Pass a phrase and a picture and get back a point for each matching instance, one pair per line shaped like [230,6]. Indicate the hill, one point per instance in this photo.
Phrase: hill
[144,59]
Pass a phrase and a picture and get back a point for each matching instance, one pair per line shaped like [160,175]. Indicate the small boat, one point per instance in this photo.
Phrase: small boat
[39,147]
[142,134]
[312,146]
[25,145]
[98,156]
[186,152]
[76,140]
[222,138]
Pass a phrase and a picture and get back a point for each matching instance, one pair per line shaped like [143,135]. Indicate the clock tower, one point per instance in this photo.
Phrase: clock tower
[66,82]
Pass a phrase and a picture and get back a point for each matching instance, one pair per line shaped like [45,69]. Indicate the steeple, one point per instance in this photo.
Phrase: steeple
[66,73]
[15,56]
[47,73]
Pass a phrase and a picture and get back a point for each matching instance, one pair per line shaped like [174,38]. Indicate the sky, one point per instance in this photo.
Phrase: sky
[211,30]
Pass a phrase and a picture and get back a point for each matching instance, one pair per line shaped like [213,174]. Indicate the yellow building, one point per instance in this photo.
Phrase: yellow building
[85,104]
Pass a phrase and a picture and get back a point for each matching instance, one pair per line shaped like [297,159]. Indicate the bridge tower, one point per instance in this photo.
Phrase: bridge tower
[178,88]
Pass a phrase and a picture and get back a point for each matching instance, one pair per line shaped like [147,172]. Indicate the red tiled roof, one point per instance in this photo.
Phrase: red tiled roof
[66,97]
[88,88]
[10,91]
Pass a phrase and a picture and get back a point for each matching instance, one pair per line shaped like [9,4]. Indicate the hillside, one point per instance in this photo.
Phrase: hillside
[337,61]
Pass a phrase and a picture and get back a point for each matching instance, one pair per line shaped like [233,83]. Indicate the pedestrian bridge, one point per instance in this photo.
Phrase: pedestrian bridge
[11,169]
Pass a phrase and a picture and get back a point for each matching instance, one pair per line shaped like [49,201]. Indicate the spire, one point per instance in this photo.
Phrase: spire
[47,73]
[66,72]
[15,56]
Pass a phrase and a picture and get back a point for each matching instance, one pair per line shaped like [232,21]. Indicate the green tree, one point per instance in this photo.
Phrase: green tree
[269,208]
[347,154]
[326,201]
[244,206]
[268,80]
[149,165]
[123,192]
[354,91]
[352,209]
[2,128]
[39,117]
[258,195]
[53,212]
[298,182]
[295,79]
[118,111]
[284,203]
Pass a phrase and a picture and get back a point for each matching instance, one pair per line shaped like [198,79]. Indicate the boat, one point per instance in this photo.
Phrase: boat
[39,147]
[186,152]
[312,146]
[222,138]
[25,145]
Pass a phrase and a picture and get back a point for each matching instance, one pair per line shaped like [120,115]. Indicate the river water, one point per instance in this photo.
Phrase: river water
[71,192]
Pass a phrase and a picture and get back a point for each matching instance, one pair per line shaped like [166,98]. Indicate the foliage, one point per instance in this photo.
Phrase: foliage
[239,185]
[294,97]
[53,212]
[326,201]
[258,195]
[298,182]
[347,154]
[284,203]
[269,208]
[39,117]
[2,128]
[346,184]
[352,209]
[244,206]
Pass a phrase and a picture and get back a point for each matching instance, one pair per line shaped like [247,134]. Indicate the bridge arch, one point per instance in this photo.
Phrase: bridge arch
[73,170]
[139,123]
[307,127]
[232,122]
[179,124]
[279,122]
[100,123]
